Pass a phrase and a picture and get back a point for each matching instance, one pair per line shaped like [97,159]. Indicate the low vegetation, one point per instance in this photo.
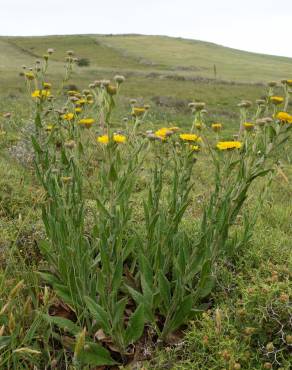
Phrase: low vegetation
[131,241]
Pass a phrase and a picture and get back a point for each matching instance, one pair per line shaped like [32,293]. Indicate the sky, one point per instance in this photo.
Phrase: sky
[263,26]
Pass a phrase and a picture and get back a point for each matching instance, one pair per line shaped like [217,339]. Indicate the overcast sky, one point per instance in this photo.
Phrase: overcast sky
[263,26]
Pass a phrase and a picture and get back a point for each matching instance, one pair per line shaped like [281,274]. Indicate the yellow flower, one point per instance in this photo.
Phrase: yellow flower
[163,132]
[68,116]
[86,122]
[137,112]
[104,139]
[117,138]
[284,117]
[66,179]
[78,110]
[49,127]
[289,82]
[174,129]
[190,137]
[41,94]
[198,126]
[248,126]
[120,138]
[216,127]
[30,75]
[72,92]
[276,100]
[195,148]
[47,85]
[111,89]
[228,145]
[80,102]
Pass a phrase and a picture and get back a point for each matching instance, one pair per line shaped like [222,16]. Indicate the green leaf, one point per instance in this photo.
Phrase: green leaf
[118,316]
[164,288]
[49,278]
[64,292]
[4,341]
[36,145]
[95,354]
[62,323]
[181,313]
[135,326]
[118,273]
[207,281]
[112,173]
[146,271]
[102,208]
[99,314]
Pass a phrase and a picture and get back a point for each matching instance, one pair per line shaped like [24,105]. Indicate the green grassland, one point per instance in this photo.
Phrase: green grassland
[252,289]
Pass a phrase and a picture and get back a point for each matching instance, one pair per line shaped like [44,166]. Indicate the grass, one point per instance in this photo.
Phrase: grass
[250,306]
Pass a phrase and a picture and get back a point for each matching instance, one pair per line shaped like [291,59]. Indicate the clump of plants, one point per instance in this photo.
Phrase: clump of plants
[123,282]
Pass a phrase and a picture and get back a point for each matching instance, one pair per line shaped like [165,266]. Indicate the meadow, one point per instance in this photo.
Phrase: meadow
[145,205]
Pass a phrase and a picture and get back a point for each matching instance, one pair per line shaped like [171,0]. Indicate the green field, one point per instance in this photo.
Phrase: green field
[245,321]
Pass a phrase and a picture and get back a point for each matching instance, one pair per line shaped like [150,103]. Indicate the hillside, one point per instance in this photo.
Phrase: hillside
[149,53]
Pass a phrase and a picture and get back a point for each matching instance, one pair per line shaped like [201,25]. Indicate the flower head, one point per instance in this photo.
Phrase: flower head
[86,122]
[104,139]
[111,89]
[263,121]
[245,104]
[197,106]
[195,148]
[47,85]
[190,137]
[284,117]
[174,129]
[248,126]
[137,112]
[29,75]
[163,133]
[119,79]
[68,116]
[49,128]
[216,127]
[228,145]
[117,138]
[40,94]
[276,100]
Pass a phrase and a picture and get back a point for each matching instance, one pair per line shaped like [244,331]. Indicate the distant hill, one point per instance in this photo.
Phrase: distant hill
[144,54]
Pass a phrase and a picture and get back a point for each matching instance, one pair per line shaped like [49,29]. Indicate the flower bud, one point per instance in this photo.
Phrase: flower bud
[272,83]
[245,104]
[119,79]
[270,347]
[80,342]
[260,102]
[11,323]
[16,289]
